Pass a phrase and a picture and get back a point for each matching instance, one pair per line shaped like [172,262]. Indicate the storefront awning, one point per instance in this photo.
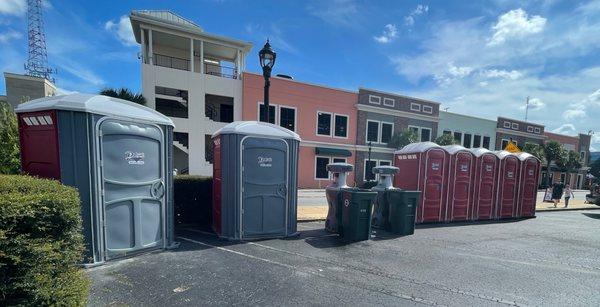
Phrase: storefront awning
[326,151]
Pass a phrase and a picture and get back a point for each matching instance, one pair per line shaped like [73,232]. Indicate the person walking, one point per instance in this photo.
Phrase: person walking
[557,192]
[568,195]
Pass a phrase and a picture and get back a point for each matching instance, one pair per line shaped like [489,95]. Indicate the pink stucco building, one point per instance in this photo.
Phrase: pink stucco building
[325,119]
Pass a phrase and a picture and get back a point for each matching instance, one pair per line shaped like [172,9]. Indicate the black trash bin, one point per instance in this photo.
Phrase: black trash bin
[357,205]
[402,209]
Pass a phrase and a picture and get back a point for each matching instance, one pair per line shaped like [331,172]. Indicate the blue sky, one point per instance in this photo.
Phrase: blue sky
[480,58]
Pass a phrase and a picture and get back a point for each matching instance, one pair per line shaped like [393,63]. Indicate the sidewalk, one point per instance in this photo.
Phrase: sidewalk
[319,212]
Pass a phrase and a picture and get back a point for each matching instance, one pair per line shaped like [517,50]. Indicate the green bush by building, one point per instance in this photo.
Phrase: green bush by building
[193,200]
[40,243]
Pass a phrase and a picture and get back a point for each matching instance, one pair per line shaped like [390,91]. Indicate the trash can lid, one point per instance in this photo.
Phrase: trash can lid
[95,104]
[339,167]
[385,170]
[257,128]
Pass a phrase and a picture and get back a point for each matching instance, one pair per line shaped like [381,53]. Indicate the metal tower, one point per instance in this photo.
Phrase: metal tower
[37,62]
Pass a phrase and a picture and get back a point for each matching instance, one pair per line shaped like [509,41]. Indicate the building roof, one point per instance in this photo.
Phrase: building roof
[520,121]
[417,147]
[397,95]
[170,20]
[96,104]
[257,129]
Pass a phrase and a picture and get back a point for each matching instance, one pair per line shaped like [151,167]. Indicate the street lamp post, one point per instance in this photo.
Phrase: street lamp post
[369,157]
[267,60]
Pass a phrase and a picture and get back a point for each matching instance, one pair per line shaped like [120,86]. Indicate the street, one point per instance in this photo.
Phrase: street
[548,260]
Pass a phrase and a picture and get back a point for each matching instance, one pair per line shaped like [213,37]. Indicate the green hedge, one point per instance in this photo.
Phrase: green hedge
[40,243]
[193,200]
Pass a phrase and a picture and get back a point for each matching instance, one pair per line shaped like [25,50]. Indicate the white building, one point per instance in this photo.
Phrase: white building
[194,78]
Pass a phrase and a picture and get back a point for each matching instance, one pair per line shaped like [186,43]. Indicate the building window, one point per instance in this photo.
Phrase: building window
[415,107]
[287,118]
[321,168]
[582,157]
[263,113]
[447,132]
[504,144]
[341,126]
[515,126]
[486,142]
[476,141]
[428,109]
[425,134]
[374,99]
[467,140]
[372,131]
[530,129]
[389,102]
[458,137]
[537,130]
[507,125]
[323,123]
[386,132]
[339,160]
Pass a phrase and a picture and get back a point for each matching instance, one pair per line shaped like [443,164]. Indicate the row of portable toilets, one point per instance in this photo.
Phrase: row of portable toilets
[119,156]
[460,184]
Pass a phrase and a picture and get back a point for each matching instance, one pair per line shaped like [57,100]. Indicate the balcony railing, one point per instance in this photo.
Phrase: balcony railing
[171,62]
[220,71]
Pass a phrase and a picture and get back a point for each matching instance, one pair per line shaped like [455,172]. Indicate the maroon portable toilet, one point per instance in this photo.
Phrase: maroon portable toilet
[485,183]
[508,185]
[460,180]
[423,167]
[529,179]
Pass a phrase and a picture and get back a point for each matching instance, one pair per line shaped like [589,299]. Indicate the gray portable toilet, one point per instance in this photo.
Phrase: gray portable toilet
[118,154]
[255,181]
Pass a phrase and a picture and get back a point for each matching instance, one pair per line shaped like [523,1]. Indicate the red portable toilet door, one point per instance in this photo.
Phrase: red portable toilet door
[461,187]
[508,184]
[529,188]
[433,186]
[484,207]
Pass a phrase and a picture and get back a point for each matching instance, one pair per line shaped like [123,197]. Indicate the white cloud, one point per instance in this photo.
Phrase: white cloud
[409,20]
[13,7]
[337,12]
[516,24]
[568,129]
[122,29]
[388,35]
[580,109]
[534,104]
[453,72]
[9,35]
[503,74]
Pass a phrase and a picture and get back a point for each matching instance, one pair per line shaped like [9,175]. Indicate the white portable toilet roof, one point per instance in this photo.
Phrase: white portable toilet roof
[503,154]
[258,129]
[478,152]
[452,149]
[525,155]
[96,104]
[417,147]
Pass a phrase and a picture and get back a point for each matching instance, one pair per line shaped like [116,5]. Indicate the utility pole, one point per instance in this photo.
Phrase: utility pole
[527,108]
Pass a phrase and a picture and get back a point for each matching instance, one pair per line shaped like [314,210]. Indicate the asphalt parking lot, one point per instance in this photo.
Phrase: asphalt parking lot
[553,259]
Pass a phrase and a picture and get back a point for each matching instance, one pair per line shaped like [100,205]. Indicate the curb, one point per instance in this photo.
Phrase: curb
[311,220]
[567,209]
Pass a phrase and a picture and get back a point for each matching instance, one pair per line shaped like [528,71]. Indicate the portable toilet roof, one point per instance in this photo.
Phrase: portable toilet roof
[257,129]
[478,152]
[417,147]
[452,149]
[503,154]
[96,104]
[525,155]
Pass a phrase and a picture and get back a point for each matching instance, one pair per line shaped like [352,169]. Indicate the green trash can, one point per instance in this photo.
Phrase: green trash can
[402,209]
[357,205]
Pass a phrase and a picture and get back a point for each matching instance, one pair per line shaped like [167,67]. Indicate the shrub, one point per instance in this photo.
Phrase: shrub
[9,141]
[40,243]
[193,200]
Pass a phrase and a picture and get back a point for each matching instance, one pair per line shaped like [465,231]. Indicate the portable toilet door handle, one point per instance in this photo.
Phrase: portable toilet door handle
[157,190]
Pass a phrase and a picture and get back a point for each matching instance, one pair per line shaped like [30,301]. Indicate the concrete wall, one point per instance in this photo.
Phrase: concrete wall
[22,88]
[468,125]
[307,100]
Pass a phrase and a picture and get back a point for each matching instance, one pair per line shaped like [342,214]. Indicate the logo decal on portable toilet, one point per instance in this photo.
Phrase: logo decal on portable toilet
[134,158]
[435,166]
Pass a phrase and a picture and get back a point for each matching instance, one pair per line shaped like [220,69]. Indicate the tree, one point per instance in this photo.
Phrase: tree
[124,94]
[554,152]
[445,139]
[403,138]
[9,141]
[595,169]
[535,150]
[570,161]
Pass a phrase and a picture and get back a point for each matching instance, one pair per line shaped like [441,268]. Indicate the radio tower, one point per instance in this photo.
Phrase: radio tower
[37,62]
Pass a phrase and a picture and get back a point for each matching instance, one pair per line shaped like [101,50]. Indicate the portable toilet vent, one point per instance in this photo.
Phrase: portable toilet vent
[255,175]
[118,155]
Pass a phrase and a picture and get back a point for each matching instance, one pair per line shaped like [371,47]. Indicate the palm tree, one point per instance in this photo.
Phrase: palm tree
[571,161]
[554,152]
[124,94]
[402,139]
[445,139]
[535,150]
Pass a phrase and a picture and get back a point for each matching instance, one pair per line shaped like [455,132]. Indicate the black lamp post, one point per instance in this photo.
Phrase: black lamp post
[267,60]
[369,158]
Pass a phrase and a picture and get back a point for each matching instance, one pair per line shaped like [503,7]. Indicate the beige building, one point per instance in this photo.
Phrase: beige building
[22,88]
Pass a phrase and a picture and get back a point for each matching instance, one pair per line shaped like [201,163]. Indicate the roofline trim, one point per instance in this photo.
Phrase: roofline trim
[397,95]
